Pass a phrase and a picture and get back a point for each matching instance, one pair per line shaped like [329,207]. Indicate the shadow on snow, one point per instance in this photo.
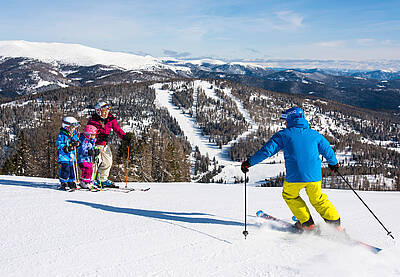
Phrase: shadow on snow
[160,214]
[30,184]
[166,217]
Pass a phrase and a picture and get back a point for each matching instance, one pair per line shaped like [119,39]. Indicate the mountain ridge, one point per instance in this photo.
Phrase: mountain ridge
[46,66]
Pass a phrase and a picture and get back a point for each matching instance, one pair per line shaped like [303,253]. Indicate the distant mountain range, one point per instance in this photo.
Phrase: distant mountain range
[30,67]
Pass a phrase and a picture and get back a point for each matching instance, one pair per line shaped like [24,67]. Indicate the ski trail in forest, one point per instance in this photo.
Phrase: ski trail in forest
[253,125]
[188,125]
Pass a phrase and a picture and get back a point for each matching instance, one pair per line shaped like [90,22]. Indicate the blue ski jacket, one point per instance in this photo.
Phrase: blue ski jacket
[301,147]
[64,138]
[85,145]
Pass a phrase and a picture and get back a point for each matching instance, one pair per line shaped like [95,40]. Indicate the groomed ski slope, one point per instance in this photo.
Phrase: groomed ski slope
[182,229]
[193,134]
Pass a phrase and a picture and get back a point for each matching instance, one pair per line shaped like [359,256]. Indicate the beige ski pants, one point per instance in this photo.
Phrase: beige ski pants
[105,164]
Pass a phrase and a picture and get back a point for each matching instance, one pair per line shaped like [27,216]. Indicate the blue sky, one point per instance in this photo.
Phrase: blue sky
[302,29]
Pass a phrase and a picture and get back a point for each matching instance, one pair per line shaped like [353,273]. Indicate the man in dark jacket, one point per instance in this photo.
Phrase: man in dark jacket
[301,147]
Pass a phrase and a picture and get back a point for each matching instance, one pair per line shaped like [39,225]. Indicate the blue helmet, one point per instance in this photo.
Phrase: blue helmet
[293,113]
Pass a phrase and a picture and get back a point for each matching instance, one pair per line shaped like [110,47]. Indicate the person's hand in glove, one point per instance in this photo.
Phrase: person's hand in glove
[68,148]
[75,143]
[333,168]
[94,152]
[127,139]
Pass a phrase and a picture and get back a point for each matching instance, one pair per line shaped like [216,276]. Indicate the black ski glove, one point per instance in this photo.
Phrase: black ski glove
[75,143]
[68,148]
[94,152]
[103,137]
[333,168]
[127,139]
[245,166]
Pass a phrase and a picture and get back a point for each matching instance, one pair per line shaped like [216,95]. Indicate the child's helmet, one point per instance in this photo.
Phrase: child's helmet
[69,121]
[90,130]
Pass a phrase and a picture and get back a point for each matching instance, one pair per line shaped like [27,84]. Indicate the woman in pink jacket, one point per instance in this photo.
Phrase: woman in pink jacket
[104,121]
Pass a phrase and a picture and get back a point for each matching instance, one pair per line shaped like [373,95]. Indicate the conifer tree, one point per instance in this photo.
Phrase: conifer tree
[22,162]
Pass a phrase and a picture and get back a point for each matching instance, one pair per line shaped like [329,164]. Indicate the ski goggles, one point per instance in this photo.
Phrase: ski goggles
[106,107]
[74,124]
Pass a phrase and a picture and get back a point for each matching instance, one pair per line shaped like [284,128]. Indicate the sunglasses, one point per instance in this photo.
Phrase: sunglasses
[75,124]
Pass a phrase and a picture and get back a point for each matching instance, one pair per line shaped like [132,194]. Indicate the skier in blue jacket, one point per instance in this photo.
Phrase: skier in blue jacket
[301,147]
[67,142]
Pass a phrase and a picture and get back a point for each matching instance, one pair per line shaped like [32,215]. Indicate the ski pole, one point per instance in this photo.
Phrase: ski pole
[95,169]
[75,165]
[97,165]
[127,163]
[388,232]
[245,233]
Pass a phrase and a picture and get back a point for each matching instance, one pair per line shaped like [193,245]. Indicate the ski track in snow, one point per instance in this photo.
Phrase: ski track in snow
[193,133]
[246,115]
[181,229]
[189,125]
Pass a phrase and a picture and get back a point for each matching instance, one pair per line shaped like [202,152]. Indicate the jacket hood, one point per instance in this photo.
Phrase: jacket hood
[299,122]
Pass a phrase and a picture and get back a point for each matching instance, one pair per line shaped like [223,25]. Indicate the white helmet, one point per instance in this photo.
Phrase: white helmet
[69,121]
[101,105]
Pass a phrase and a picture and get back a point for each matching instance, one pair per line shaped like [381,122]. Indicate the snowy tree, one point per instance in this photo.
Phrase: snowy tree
[22,162]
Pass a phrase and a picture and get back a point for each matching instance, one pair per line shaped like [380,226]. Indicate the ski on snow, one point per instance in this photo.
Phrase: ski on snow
[126,190]
[116,189]
[290,228]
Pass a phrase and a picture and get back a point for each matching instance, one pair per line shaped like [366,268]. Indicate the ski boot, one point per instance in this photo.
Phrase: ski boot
[108,184]
[94,188]
[307,226]
[64,186]
[335,224]
[72,185]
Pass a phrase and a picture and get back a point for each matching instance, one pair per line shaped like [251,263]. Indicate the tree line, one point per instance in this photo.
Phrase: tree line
[30,124]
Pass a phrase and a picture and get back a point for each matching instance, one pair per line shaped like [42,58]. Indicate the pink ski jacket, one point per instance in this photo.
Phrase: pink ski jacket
[104,127]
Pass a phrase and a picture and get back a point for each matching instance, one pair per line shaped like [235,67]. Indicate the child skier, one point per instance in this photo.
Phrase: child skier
[67,141]
[86,154]
[301,147]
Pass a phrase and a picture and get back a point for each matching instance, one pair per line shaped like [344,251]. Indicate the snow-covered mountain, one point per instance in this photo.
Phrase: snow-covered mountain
[76,54]
[184,229]
[31,67]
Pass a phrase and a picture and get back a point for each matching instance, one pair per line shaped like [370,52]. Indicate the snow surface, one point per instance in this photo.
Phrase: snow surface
[78,55]
[182,229]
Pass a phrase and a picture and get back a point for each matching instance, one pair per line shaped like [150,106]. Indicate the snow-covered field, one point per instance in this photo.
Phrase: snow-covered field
[186,229]
[182,229]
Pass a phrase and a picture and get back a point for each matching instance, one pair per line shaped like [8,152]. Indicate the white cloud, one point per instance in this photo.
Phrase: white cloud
[333,43]
[387,42]
[366,41]
[290,18]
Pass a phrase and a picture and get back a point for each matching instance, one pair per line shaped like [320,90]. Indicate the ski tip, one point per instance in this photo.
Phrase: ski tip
[260,213]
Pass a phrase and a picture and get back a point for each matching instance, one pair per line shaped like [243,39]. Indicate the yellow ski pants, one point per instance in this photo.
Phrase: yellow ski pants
[318,199]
